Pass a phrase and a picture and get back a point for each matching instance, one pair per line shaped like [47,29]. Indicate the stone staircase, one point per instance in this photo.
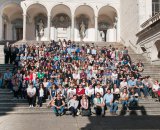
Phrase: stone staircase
[3,67]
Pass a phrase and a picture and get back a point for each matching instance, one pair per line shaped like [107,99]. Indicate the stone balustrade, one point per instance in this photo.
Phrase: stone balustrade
[151,20]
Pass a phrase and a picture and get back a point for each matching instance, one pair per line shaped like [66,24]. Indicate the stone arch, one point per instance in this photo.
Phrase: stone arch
[107,23]
[10,12]
[84,15]
[36,12]
[61,8]
[157,44]
[61,22]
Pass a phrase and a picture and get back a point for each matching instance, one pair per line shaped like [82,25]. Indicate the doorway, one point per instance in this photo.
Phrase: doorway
[19,33]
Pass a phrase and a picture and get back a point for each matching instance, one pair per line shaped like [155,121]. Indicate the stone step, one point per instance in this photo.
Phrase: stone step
[4,90]
[107,113]
[12,100]
[21,105]
[6,96]
[6,93]
[24,105]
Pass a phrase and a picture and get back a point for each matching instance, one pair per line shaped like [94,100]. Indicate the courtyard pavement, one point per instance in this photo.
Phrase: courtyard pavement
[50,122]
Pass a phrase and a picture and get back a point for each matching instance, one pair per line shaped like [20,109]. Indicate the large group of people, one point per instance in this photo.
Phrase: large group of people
[76,78]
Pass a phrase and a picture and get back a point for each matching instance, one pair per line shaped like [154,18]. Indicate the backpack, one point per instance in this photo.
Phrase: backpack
[86,112]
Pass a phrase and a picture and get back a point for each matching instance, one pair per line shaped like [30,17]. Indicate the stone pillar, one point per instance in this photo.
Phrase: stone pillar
[96,28]
[1,28]
[24,27]
[72,26]
[49,27]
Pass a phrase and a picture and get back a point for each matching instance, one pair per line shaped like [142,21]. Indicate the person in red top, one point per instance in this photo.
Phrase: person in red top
[80,91]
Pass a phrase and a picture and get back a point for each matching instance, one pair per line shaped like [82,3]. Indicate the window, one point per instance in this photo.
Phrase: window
[155,7]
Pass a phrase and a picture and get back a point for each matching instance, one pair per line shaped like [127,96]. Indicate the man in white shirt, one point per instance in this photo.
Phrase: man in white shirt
[123,84]
[71,91]
[99,89]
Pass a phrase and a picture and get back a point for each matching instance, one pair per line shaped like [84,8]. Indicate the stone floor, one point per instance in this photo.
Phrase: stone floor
[50,122]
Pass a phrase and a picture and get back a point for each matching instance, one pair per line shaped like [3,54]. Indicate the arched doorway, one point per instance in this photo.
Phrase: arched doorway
[107,24]
[12,22]
[157,44]
[61,23]
[85,24]
[36,27]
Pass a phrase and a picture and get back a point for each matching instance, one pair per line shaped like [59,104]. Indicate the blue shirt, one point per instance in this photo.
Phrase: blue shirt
[108,97]
[131,83]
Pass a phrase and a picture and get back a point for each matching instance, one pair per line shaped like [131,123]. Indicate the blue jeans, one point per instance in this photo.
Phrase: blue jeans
[133,102]
[60,111]
[1,83]
[108,105]
[124,104]
[114,107]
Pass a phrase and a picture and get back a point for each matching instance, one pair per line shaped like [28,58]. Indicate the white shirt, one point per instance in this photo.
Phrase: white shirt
[41,92]
[114,76]
[123,84]
[156,87]
[89,91]
[76,76]
[31,91]
[100,90]
[71,92]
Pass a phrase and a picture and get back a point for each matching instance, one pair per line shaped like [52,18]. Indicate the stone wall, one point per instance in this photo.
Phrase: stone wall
[133,14]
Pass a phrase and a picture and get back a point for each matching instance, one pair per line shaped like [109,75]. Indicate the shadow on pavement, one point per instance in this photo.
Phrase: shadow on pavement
[123,122]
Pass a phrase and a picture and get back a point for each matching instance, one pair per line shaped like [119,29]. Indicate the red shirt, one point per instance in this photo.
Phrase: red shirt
[80,92]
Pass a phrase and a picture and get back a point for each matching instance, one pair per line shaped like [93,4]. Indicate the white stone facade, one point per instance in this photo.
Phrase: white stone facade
[102,16]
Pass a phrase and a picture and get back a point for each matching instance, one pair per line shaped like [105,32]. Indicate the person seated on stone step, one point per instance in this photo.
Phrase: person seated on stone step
[124,96]
[85,107]
[133,98]
[140,66]
[116,96]
[73,105]
[58,106]
[108,99]
[7,79]
[99,104]
[131,83]
[140,88]
[155,89]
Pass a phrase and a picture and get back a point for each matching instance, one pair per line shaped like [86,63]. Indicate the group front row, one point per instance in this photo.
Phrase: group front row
[84,104]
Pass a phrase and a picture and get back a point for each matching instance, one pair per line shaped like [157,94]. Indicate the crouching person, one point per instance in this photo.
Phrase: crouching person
[73,105]
[58,105]
[85,110]
[99,104]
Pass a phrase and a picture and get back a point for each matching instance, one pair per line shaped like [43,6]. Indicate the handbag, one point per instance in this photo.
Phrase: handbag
[86,112]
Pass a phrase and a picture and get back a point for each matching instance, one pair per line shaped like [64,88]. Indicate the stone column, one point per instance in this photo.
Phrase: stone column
[72,30]
[24,27]
[49,27]
[1,28]
[96,28]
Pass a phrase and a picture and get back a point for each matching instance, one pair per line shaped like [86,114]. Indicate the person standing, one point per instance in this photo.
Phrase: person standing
[7,52]
[31,93]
